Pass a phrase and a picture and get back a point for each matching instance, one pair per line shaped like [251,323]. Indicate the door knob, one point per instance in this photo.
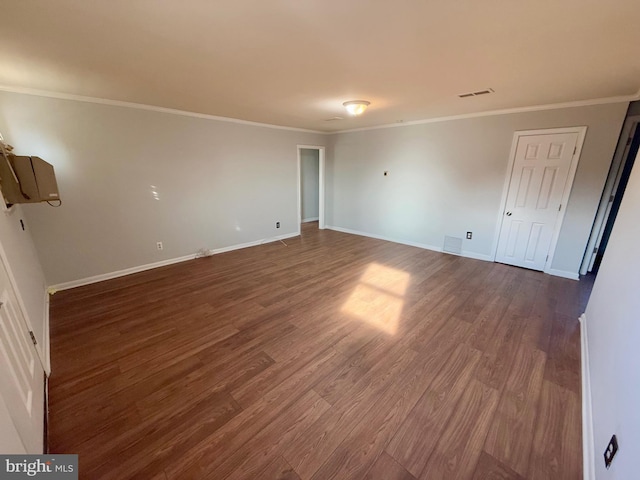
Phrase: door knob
[508,214]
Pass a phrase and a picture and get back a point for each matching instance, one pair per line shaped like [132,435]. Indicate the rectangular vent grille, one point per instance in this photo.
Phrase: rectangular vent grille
[476,94]
[452,245]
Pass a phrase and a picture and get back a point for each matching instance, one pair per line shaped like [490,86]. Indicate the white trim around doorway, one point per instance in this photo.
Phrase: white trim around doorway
[321,184]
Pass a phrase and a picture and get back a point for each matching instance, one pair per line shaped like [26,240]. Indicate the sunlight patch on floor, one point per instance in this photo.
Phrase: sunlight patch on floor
[379,297]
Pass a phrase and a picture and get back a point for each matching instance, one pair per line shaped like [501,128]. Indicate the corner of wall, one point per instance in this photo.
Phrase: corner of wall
[588,457]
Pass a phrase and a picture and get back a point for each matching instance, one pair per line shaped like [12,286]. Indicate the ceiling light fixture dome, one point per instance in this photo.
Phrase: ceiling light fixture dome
[356,107]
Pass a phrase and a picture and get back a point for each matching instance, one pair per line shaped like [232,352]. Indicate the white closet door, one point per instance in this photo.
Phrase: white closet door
[538,180]
[21,373]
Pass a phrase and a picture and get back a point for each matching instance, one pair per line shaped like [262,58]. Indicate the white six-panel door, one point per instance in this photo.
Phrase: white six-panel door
[540,176]
[10,441]
[21,374]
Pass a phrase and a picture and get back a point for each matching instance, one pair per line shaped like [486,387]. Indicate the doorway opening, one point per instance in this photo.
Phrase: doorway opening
[621,165]
[311,180]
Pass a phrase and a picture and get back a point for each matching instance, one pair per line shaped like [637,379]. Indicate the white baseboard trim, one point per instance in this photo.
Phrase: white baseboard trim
[118,273]
[476,256]
[563,274]
[47,342]
[465,253]
[253,244]
[141,268]
[310,219]
[588,457]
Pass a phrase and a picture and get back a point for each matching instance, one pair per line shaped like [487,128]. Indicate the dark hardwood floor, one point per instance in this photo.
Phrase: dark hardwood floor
[335,356]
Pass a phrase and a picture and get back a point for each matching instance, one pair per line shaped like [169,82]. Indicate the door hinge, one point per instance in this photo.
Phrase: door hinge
[33,338]
[547,259]
[629,140]
[595,250]
[611,198]
[575,149]
[559,207]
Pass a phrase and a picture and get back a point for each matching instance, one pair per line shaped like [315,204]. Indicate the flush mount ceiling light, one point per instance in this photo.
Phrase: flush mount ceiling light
[356,107]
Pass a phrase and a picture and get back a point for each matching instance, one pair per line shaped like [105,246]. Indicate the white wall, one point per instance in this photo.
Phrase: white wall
[222,184]
[310,175]
[219,183]
[24,266]
[447,178]
[613,332]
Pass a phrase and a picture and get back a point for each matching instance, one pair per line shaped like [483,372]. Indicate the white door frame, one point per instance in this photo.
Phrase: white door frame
[581,131]
[321,182]
[612,180]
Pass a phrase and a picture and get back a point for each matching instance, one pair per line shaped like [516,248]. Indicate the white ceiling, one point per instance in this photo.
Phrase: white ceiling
[294,62]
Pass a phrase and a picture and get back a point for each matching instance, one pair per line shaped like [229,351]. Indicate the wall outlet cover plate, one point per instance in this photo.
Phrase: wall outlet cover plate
[611,451]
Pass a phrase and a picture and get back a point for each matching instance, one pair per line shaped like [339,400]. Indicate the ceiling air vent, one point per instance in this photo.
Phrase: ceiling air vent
[475,94]
[332,119]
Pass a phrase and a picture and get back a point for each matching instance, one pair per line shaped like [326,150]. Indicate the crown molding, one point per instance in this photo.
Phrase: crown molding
[152,108]
[184,113]
[505,111]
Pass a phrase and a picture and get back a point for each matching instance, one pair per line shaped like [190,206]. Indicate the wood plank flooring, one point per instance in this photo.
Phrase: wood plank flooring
[333,356]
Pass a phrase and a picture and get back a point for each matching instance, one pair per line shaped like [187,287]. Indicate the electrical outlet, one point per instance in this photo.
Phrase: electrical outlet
[277,224]
[610,452]
[159,245]
[469,235]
